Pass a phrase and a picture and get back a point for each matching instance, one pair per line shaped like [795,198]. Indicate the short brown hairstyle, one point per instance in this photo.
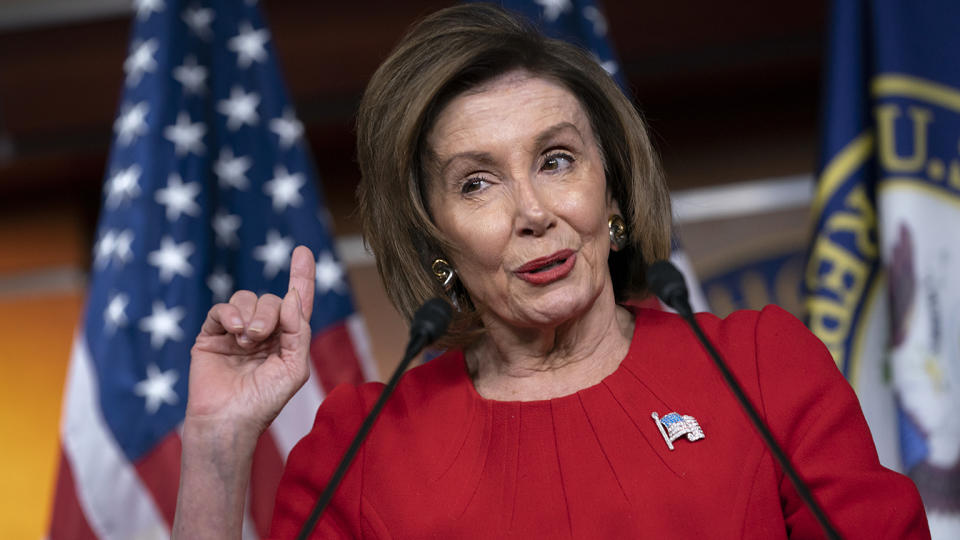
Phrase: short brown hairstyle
[442,56]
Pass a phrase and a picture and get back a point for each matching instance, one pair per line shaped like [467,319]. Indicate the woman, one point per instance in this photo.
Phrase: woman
[508,172]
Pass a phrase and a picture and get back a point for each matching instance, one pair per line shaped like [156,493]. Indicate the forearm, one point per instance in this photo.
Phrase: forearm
[214,475]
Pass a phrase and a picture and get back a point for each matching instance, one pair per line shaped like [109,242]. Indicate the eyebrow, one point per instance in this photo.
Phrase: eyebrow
[554,130]
[484,158]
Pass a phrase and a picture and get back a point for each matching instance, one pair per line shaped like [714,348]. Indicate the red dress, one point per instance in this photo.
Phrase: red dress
[443,462]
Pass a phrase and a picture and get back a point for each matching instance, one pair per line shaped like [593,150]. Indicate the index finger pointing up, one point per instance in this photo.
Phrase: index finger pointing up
[302,278]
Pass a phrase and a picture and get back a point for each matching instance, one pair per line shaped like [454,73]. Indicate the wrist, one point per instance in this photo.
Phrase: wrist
[214,475]
[224,439]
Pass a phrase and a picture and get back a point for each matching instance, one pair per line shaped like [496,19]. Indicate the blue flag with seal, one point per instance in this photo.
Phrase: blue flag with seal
[883,278]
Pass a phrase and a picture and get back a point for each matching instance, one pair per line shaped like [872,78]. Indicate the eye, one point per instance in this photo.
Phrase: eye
[557,161]
[473,184]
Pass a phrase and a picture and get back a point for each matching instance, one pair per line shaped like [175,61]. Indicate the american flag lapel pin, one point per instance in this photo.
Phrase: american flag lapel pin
[673,426]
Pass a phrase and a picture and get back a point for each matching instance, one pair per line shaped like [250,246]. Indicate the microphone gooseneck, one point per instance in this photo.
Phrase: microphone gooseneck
[429,323]
[668,284]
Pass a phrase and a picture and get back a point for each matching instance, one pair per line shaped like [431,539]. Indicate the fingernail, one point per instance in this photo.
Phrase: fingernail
[256,326]
[244,340]
[236,323]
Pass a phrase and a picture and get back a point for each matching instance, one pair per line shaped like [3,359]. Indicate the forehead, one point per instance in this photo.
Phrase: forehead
[516,103]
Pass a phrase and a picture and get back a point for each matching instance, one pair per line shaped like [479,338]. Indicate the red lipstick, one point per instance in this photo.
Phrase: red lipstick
[547,269]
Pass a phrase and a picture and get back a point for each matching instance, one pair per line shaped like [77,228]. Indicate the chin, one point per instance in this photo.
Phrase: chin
[557,307]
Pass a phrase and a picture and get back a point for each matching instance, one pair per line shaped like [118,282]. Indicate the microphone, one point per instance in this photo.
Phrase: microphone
[430,321]
[665,281]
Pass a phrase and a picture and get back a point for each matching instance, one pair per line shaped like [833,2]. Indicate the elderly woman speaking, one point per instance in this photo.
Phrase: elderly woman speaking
[507,173]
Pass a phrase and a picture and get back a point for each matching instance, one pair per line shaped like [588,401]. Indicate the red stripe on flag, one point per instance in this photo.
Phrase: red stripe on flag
[264,479]
[67,519]
[334,359]
[159,470]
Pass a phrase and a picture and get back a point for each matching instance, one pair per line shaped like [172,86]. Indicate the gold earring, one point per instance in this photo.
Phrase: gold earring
[618,232]
[444,273]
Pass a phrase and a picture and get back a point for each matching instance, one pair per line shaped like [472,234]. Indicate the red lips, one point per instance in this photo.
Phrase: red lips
[547,269]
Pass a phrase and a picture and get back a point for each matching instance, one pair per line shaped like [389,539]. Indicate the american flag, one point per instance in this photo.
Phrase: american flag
[678,426]
[583,23]
[209,187]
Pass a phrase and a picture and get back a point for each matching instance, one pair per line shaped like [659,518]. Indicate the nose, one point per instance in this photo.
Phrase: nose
[532,215]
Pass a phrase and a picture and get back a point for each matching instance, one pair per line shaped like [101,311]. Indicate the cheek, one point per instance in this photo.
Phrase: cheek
[479,236]
[586,212]
[484,243]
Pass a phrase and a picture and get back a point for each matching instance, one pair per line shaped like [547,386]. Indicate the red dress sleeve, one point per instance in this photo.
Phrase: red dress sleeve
[312,462]
[816,418]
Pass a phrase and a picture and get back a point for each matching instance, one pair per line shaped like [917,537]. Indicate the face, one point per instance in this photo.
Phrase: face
[516,182]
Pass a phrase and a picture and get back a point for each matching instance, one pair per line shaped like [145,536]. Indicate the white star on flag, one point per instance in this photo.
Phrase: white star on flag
[249,45]
[240,108]
[198,20]
[192,76]
[115,316]
[157,388]
[123,186]
[171,259]
[288,128]
[179,198]
[145,8]
[103,249]
[221,284]
[226,226]
[284,188]
[553,8]
[140,61]
[329,274]
[186,136]
[275,254]
[113,245]
[163,324]
[122,251]
[231,170]
[592,14]
[131,123]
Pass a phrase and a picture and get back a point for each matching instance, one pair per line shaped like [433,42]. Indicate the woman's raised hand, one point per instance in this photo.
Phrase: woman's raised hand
[252,355]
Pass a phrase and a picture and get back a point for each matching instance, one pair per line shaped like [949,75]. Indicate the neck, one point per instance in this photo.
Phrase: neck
[527,364]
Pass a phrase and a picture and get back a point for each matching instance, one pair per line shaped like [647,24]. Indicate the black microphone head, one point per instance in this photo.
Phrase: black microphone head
[665,281]
[431,319]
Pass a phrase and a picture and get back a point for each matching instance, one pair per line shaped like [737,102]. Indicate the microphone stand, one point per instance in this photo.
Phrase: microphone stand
[429,323]
[664,282]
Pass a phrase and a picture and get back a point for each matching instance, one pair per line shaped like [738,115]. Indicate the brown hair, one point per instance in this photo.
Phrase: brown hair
[447,53]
